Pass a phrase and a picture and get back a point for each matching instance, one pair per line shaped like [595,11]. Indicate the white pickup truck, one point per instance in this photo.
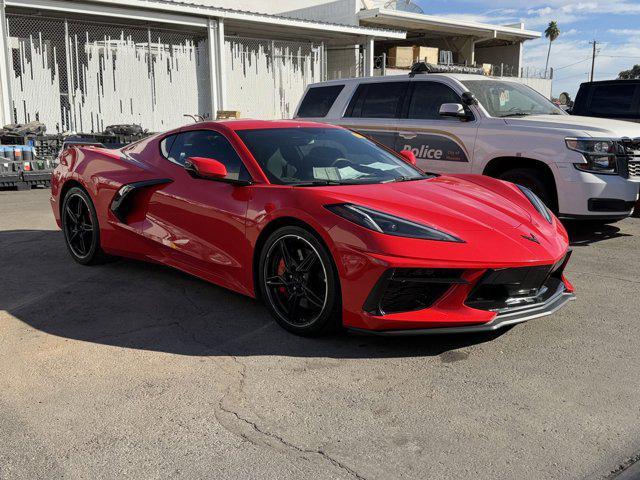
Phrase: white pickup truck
[581,167]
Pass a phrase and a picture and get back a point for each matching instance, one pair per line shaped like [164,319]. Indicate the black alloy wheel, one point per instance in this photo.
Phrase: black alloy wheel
[298,282]
[80,227]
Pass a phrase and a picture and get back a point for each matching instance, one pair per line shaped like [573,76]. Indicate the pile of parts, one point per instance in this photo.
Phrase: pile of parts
[28,155]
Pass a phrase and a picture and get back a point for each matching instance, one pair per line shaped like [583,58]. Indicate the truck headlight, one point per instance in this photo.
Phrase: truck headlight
[599,154]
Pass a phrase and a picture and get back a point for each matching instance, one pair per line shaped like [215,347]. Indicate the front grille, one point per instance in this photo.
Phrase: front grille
[410,289]
[629,158]
[510,287]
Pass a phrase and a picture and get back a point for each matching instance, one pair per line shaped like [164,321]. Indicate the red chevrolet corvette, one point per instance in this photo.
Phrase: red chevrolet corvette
[329,228]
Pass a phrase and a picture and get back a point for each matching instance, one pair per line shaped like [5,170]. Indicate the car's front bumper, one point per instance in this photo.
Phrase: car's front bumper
[503,318]
[464,304]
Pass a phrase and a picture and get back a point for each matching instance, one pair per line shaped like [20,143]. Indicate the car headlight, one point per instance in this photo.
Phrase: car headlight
[599,154]
[537,203]
[388,224]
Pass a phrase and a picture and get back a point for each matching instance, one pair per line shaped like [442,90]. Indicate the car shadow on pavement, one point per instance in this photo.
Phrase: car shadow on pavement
[582,234]
[150,307]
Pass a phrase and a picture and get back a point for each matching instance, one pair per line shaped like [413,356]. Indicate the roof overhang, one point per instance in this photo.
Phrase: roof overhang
[196,15]
[421,23]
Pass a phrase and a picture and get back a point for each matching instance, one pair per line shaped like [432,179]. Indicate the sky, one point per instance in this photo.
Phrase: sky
[614,24]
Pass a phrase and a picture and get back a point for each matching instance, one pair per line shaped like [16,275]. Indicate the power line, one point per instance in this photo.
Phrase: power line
[572,64]
[618,56]
[572,76]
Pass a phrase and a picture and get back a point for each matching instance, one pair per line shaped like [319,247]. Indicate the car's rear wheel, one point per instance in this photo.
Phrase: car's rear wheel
[534,181]
[80,227]
[298,282]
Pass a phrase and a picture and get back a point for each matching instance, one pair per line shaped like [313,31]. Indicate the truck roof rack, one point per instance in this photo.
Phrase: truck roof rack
[423,67]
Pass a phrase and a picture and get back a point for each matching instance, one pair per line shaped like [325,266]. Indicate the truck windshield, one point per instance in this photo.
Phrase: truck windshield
[510,99]
[324,156]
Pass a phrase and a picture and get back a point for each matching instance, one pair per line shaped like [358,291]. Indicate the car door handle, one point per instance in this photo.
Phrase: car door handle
[408,136]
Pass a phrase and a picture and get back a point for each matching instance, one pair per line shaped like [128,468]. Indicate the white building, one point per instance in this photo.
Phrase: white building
[84,64]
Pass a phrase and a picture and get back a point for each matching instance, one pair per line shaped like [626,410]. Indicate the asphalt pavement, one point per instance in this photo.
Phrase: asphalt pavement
[138,371]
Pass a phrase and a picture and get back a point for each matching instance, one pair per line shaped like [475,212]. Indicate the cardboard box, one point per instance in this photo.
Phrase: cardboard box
[227,114]
[400,57]
[426,54]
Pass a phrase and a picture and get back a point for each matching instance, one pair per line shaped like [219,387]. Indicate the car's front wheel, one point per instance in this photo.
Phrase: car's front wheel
[299,283]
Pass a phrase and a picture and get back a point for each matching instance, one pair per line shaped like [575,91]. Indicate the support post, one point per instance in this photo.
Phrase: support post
[213,67]
[5,71]
[222,66]
[368,57]
[323,65]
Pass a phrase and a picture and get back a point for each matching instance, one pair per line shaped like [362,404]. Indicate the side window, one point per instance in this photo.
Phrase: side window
[612,99]
[428,97]
[208,144]
[318,101]
[166,144]
[377,100]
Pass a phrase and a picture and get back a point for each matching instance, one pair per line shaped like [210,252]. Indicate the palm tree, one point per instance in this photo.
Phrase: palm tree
[552,33]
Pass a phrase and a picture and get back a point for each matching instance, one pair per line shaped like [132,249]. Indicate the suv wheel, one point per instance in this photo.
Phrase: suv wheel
[534,181]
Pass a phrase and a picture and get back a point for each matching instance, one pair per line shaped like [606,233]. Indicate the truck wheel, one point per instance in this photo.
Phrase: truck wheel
[534,181]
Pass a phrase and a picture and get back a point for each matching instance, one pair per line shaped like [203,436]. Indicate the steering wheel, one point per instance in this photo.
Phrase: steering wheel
[341,160]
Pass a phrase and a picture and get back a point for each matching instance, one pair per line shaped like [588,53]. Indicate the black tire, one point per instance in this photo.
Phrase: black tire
[535,181]
[302,293]
[80,228]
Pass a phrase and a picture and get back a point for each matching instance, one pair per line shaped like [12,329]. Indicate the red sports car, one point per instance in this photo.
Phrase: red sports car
[329,228]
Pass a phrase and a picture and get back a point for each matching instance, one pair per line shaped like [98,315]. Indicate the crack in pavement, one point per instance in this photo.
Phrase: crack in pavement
[269,439]
[234,395]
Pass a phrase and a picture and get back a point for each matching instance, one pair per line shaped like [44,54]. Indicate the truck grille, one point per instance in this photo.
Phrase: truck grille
[629,151]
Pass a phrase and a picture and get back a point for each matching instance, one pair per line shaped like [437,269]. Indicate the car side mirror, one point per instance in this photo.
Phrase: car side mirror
[455,110]
[409,156]
[207,168]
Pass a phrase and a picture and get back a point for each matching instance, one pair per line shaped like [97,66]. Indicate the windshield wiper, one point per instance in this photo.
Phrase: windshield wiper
[324,183]
[405,178]
[314,183]
[516,114]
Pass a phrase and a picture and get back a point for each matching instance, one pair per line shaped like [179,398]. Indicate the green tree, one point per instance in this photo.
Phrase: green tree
[552,33]
[630,74]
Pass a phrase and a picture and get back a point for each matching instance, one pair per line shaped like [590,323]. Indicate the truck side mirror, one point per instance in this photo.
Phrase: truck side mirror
[455,110]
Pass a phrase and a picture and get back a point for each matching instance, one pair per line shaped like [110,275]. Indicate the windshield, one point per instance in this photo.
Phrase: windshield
[510,99]
[324,156]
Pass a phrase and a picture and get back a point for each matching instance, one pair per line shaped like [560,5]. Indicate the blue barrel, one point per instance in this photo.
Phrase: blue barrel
[7,150]
[27,153]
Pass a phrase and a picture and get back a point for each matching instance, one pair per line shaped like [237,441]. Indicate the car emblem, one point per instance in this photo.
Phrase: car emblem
[531,238]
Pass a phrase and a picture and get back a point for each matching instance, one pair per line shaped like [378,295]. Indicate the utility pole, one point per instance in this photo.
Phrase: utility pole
[593,59]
